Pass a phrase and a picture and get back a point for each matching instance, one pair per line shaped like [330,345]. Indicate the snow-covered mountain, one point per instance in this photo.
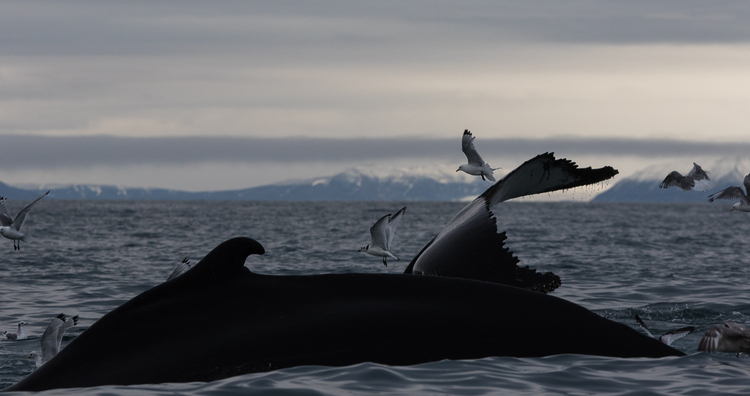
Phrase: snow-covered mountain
[358,184]
[643,186]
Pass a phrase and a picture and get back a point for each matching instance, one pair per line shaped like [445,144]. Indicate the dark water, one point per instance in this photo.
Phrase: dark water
[675,265]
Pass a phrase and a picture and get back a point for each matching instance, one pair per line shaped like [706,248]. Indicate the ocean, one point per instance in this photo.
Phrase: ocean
[674,265]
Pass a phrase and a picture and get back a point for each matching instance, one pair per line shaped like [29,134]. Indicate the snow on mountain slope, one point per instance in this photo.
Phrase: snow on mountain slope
[643,186]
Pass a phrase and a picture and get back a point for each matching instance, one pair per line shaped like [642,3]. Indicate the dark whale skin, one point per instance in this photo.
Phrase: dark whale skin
[220,320]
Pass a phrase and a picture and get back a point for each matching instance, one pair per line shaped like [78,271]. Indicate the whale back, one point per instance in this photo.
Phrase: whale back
[215,323]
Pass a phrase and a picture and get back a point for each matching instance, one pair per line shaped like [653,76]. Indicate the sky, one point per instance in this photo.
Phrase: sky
[198,95]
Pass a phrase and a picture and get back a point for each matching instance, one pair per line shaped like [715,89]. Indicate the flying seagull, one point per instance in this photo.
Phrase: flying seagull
[471,246]
[735,192]
[382,233]
[697,180]
[476,165]
[11,228]
[52,338]
[669,336]
[20,335]
[731,337]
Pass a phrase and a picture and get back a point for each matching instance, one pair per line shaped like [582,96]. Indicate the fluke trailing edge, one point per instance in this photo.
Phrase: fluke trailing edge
[469,246]
[272,322]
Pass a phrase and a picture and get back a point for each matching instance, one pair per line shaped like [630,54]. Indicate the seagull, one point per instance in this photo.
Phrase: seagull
[669,336]
[11,228]
[382,233]
[52,338]
[181,268]
[731,337]
[697,180]
[476,165]
[735,192]
[21,335]
[472,246]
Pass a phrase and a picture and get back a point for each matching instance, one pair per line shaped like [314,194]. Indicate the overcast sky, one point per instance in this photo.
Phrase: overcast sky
[226,95]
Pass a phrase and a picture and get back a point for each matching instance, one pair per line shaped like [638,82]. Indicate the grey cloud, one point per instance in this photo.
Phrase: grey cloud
[315,30]
[43,152]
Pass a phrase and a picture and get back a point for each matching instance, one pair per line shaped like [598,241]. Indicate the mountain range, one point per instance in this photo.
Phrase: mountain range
[414,184]
[357,184]
[643,186]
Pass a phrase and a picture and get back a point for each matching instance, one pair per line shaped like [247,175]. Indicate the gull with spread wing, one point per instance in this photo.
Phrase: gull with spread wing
[476,165]
[731,337]
[735,192]
[11,228]
[52,338]
[697,180]
[382,233]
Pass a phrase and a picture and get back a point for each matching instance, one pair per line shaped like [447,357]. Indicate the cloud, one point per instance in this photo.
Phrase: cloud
[361,28]
[20,152]
[422,69]
[674,69]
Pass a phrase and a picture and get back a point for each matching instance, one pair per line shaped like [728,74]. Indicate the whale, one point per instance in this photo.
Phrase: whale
[248,322]
[472,246]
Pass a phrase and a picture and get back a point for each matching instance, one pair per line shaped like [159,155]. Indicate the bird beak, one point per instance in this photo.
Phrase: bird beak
[458,170]
[731,209]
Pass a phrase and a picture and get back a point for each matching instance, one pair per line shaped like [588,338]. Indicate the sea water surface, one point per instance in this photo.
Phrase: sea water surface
[673,264]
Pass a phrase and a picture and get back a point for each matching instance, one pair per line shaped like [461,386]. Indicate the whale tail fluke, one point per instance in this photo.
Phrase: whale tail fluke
[470,244]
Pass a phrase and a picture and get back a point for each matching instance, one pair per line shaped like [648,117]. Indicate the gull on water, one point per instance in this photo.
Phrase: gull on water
[181,268]
[669,336]
[382,233]
[476,165]
[20,335]
[697,180]
[731,337]
[52,338]
[735,192]
[11,228]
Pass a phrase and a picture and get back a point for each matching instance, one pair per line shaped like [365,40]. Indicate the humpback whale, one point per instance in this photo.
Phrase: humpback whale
[469,245]
[270,322]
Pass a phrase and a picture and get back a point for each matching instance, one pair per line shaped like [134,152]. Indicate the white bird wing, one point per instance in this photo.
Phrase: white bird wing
[50,343]
[377,232]
[672,335]
[467,146]
[390,228]
[704,185]
[18,222]
[732,192]
[643,325]
[697,173]
[700,178]
[5,219]
[469,246]
[69,322]
[710,340]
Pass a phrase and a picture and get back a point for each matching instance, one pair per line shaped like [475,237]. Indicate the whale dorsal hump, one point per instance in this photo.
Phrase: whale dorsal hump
[226,261]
